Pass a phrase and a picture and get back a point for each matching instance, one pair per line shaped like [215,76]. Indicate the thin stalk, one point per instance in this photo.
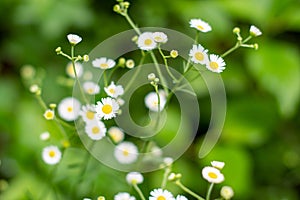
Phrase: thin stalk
[131,23]
[166,64]
[236,46]
[165,177]
[187,190]
[209,191]
[138,190]
[158,107]
[105,78]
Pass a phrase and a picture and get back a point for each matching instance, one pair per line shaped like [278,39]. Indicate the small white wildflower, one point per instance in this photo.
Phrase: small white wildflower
[88,113]
[216,63]
[226,192]
[151,101]
[200,25]
[120,101]
[114,90]
[45,136]
[181,197]
[70,70]
[68,109]
[107,108]
[103,63]
[49,114]
[212,175]
[129,63]
[198,54]
[51,155]
[96,129]
[168,161]
[134,178]
[217,164]
[34,88]
[146,41]
[160,37]
[116,134]
[91,88]
[123,196]
[74,39]
[126,152]
[254,31]
[160,194]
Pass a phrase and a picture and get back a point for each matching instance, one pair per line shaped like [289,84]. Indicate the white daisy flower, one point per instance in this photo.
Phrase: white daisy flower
[87,199]
[103,63]
[116,134]
[181,197]
[107,108]
[68,109]
[120,101]
[51,155]
[45,136]
[70,70]
[226,192]
[254,31]
[49,114]
[114,90]
[91,88]
[216,63]
[212,175]
[200,25]
[129,63]
[160,194]
[95,130]
[134,178]
[217,164]
[126,152]
[151,101]
[198,54]
[74,39]
[160,37]
[123,196]
[88,113]
[146,41]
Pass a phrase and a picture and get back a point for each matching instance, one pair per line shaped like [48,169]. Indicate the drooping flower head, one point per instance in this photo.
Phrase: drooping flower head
[254,31]
[74,39]
[103,63]
[217,164]
[134,178]
[200,25]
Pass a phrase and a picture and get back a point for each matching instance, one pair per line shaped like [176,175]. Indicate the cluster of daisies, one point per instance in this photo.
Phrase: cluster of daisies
[210,173]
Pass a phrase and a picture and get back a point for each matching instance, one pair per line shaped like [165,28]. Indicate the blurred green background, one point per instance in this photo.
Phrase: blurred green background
[261,136]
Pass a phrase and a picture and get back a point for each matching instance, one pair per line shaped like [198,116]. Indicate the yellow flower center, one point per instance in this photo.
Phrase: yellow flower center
[49,115]
[90,115]
[51,153]
[200,27]
[148,42]
[212,175]
[199,56]
[157,38]
[213,65]
[125,152]
[111,90]
[161,198]
[104,65]
[70,109]
[107,109]
[95,130]
[90,90]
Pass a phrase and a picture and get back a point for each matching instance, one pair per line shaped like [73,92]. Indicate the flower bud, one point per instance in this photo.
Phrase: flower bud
[117,8]
[58,50]
[151,77]
[174,53]
[236,30]
[86,58]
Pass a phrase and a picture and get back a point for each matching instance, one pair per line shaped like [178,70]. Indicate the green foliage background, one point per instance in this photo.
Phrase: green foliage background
[261,136]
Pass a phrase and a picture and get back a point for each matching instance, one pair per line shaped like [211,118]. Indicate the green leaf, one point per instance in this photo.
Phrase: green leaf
[276,68]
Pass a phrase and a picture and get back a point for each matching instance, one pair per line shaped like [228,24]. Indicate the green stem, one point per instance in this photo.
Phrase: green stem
[139,191]
[165,177]
[236,46]
[187,190]
[158,107]
[131,23]
[166,64]
[209,191]
[76,76]
[105,78]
